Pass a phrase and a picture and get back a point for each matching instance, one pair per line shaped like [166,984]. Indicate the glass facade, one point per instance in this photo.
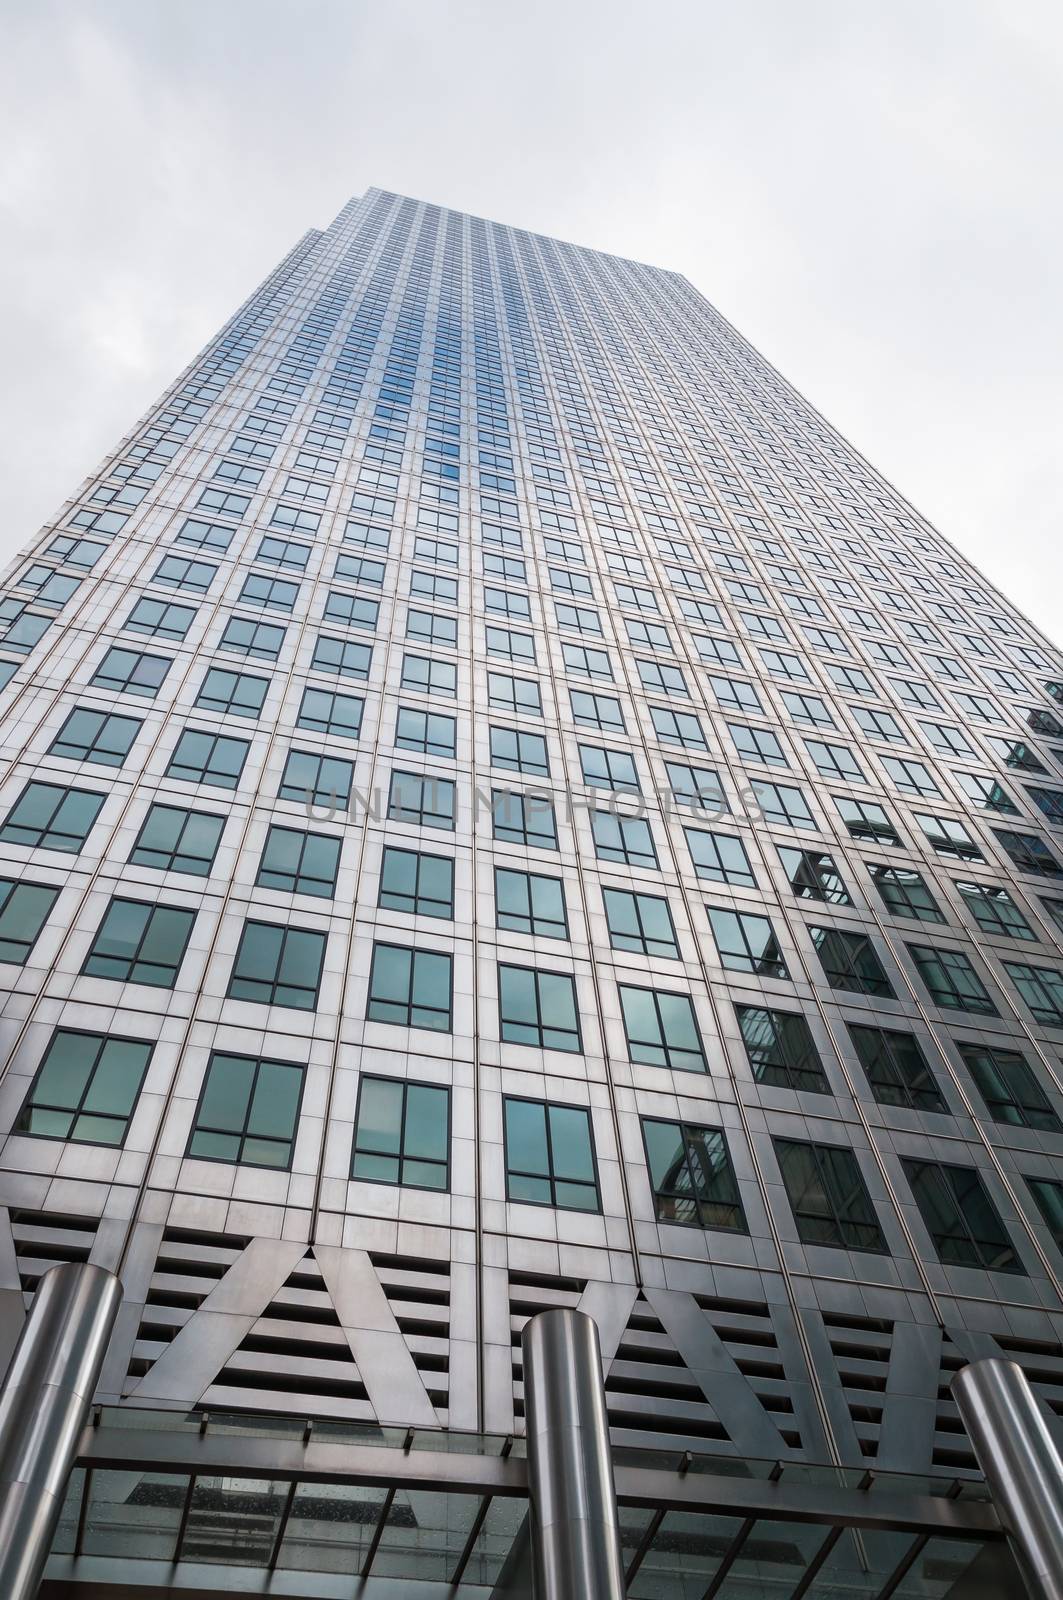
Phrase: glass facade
[503,809]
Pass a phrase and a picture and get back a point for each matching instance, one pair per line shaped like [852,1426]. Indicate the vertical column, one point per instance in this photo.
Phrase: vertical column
[573,1513]
[1022,1467]
[43,1406]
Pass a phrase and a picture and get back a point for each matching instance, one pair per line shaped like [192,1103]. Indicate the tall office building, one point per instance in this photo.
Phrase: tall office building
[504,809]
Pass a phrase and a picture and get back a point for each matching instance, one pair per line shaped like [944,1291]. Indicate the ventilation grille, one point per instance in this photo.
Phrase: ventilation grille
[653,1399]
[43,1240]
[295,1357]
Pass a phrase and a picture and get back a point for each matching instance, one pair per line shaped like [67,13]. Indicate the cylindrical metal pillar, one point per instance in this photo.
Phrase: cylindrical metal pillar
[1022,1467]
[43,1406]
[574,1522]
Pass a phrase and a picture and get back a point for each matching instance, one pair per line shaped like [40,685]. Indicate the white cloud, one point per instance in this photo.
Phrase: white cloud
[868,192]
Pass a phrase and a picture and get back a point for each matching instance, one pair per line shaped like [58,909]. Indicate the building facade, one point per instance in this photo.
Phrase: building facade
[504,808]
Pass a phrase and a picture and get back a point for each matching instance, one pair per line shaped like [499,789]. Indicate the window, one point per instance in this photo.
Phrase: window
[284,553]
[719,858]
[509,645]
[951,980]
[608,769]
[905,893]
[425,800]
[184,573]
[947,837]
[347,658]
[275,594]
[162,618]
[426,732]
[692,1177]
[834,761]
[813,875]
[746,943]
[278,966]
[210,758]
[896,1068]
[910,777]
[248,1111]
[423,585]
[807,709]
[517,751]
[316,780]
[781,1049]
[1054,909]
[1049,1197]
[600,711]
[48,817]
[1029,852]
[410,987]
[678,727]
[781,803]
[525,819]
[295,862]
[878,724]
[140,943]
[420,884]
[696,786]
[506,693]
[828,1196]
[986,793]
[243,637]
[430,677]
[98,736]
[327,711]
[24,909]
[625,839]
[586,661]
[849,962]
[960,1217]
[515,606]
[402,1134]
[1009,1087]
[175,840]
[355,611]
[866,820]
[86,1088]
[538,1008]
[529,902]
[994,910]
[131,672]
[660,678]
[1041,988]
[236,694]
[757,744]
[549,1155]
[640,922]
[734,694]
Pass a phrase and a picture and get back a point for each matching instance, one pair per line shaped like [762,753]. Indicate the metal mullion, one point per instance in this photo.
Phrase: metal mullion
[808,1577]
[470,1543]
[903,1567]
[182,1527]
[378,1531]
[83,1509]
[644,1544]
[282,1526]
[729,1558]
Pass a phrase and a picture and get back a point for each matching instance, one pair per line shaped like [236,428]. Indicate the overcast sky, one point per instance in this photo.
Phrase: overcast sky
[869,189]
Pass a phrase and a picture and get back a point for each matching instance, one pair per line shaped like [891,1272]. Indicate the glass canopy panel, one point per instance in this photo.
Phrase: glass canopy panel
[134,1515]
[501,1526]
[424,1535]
[233,1521]
[684,1557]
[330,1528]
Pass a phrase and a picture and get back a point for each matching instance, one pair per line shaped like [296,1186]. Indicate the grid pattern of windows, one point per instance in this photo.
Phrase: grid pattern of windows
[626,748]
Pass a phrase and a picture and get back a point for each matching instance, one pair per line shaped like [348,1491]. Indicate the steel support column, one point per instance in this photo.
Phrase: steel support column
[43,1406]
[573,1512]
[1022,1466]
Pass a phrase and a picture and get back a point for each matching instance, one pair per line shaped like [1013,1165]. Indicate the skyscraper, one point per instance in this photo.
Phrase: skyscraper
[506,809]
